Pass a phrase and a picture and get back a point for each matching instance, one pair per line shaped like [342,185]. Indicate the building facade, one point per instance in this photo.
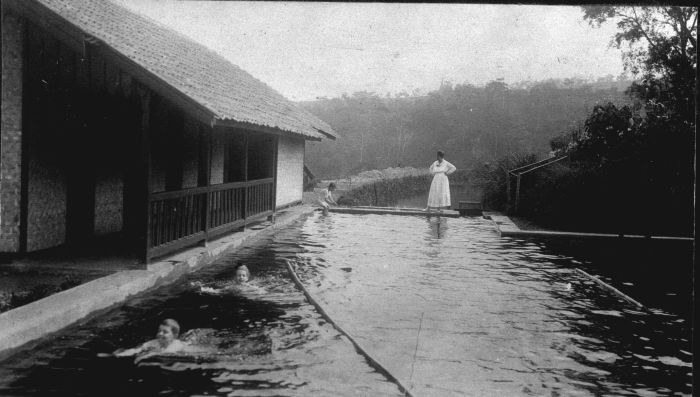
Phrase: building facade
[114,125]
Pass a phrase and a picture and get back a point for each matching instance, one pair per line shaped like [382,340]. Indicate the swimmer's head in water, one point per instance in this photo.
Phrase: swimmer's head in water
[242,274]
[168,331]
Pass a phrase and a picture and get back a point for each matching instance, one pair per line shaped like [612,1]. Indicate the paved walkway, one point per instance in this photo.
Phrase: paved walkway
[39,274]
[507,228]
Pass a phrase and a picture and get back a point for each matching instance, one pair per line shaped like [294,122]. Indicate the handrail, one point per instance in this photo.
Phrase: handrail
[526,166]
[542,165]
[258,182]
[177,193]
[225,186]
[205,189]
[520,171]
[532,166]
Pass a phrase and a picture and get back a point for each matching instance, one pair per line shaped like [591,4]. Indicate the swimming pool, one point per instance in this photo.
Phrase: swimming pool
[448,306]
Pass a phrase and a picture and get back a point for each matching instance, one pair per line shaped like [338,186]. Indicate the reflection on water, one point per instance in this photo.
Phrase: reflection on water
[449,307]
[438,226]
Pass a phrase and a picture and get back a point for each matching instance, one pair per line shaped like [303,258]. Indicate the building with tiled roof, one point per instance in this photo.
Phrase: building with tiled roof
[114,124]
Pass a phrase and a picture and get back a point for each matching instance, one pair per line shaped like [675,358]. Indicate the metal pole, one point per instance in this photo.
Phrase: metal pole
[507,190]
[245,178]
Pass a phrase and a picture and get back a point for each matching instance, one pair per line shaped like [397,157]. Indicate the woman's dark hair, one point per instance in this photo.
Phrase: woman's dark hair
[331,185]
[441,153]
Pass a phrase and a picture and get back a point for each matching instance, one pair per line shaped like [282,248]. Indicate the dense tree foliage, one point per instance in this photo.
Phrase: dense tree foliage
[632,166]
[660,47]
[473,124]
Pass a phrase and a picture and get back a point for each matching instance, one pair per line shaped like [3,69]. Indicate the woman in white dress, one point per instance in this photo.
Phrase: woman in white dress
[439,196]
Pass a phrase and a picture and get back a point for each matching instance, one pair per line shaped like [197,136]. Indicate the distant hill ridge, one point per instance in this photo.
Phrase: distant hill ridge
[472,124]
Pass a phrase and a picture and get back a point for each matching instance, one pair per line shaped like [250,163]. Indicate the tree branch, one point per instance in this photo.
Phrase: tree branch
[685,34]
[641,29]
[695,20]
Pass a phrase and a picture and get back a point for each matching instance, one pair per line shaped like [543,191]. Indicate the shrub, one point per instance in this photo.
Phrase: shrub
[491,179]
[387,192]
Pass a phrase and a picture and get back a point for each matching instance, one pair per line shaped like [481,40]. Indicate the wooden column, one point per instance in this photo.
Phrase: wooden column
[205,143]
[274,176]
[25,125]
[145,101]
[245,178]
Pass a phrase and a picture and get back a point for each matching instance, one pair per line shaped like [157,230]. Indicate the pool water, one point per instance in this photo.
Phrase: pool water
[448,306]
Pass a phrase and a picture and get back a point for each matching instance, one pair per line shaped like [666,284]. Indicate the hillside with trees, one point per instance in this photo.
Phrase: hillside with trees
[631,167]
[473,124]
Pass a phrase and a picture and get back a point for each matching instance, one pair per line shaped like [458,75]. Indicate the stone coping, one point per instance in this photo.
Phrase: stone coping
[29,323]
[507,228]
[394,211]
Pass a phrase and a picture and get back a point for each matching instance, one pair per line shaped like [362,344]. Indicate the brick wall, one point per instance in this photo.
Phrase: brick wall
[109,203]
[11,132]
[290,170]
[46,208]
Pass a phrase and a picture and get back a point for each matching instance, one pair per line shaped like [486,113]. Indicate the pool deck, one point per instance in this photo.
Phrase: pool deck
[507,228]
[26,324]
[394,211]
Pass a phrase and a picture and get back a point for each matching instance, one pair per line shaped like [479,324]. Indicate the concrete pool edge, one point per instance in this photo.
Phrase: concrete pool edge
[26,324]
[393,211]
[507,228]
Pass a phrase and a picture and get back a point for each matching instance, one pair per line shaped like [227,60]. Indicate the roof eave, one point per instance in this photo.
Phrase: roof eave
[326,134]
[261,128]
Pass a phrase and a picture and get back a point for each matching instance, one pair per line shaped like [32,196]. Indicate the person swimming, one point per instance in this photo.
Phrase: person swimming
[196,345]
[241,283]
[242,274]
[166,342]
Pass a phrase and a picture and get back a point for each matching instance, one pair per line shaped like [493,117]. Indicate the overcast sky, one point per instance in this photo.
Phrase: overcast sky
[310,50]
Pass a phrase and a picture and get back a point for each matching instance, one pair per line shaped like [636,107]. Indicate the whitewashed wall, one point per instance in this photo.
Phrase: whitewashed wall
[290,170]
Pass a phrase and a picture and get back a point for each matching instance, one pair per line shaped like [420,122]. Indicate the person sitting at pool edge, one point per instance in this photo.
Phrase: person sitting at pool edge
[326,197]
[166,342]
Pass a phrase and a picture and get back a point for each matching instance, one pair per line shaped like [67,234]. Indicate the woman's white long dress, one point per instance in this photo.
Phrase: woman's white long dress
[439,195]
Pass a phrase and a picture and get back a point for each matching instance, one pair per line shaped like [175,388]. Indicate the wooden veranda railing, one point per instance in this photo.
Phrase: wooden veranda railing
[185,217]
